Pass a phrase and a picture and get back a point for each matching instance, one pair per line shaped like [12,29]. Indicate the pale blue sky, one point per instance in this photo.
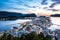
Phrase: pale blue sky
[28,5]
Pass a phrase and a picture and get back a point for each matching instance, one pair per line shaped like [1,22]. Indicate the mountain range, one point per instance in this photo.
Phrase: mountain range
[14,14]
[55,15]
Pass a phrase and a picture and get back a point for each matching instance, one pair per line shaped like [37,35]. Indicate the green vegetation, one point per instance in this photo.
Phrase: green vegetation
[31,36]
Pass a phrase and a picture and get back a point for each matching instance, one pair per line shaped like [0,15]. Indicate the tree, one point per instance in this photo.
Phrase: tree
[23,37]
[10,37]
[48,37]
[16,38]
[32,36]
[41,36]
[4,37]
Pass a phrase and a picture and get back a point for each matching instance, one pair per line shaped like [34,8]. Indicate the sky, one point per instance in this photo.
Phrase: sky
[31,6]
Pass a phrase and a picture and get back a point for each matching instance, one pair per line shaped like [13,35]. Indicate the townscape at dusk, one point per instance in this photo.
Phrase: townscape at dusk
[29,19]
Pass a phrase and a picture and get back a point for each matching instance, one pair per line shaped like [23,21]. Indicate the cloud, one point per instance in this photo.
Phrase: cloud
[57,1]
[52,5]
[57,7]
[44,2]
[30,6]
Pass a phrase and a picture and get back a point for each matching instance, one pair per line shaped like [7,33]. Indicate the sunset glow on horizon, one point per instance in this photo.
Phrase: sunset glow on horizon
[39,7]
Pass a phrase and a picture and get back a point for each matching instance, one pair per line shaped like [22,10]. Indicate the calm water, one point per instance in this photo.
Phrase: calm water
[6,25]
[56,22]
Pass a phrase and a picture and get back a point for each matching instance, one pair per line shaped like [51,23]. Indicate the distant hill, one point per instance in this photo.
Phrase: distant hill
[10,14]
[55,15]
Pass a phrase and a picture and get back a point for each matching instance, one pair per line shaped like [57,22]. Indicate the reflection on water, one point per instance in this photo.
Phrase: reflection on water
[56,22]
[6,25]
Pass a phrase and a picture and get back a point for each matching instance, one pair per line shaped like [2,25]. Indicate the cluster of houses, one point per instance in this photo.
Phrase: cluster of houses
[37,25]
